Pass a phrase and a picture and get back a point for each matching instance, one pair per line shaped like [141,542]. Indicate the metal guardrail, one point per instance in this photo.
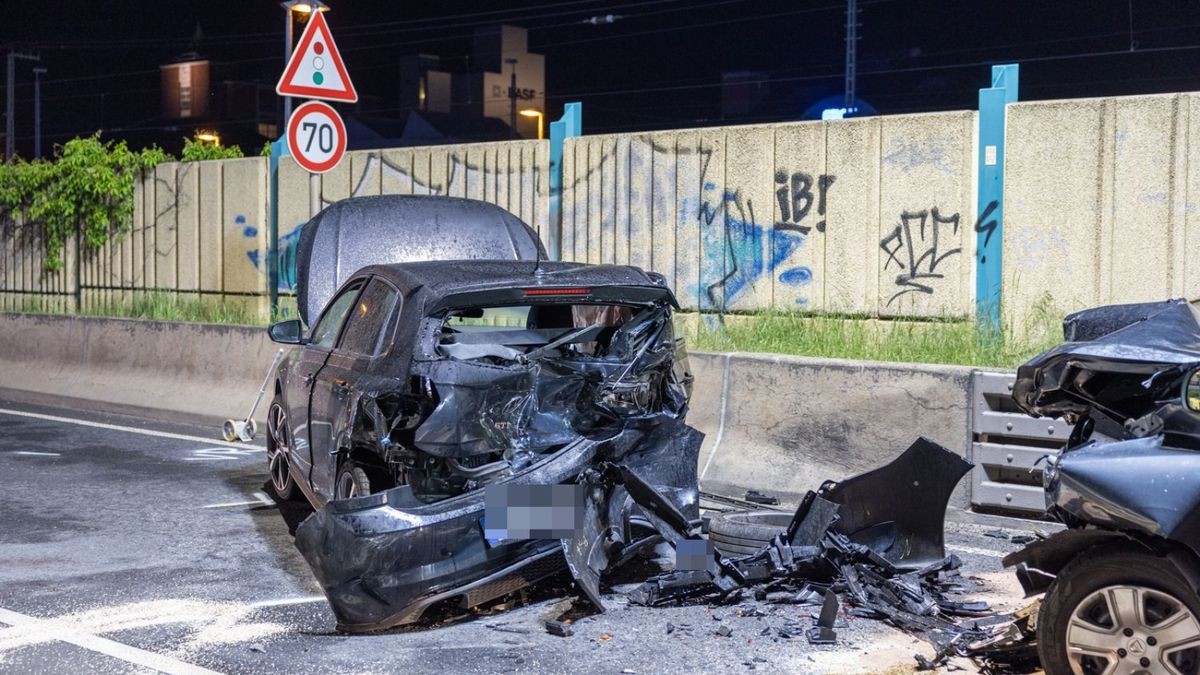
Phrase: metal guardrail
[1006,445]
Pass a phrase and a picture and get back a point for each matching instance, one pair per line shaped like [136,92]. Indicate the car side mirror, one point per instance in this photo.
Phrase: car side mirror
[1191,391]
[290,332]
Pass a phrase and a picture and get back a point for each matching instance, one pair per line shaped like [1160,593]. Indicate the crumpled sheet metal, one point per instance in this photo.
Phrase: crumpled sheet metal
[886,554]
[898,510]
[385,558]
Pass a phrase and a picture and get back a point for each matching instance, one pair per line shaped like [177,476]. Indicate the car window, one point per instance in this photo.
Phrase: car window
[364,328]
[325,333]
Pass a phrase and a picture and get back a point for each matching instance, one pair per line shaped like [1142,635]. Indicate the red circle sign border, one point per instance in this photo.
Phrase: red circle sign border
[292,138]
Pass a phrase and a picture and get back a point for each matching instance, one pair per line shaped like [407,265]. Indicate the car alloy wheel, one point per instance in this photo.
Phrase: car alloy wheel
[1132,629]
[278,445]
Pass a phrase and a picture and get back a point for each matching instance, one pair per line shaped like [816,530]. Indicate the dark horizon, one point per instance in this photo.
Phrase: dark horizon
[657,66]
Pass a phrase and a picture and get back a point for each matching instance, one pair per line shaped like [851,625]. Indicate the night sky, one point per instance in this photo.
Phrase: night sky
[657,66]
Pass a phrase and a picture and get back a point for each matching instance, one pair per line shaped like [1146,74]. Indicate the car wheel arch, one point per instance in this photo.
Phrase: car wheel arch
[1039,563]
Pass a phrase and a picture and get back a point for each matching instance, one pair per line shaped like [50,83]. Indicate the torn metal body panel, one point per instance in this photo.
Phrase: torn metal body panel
[384,559]
[1127,379]
[361,231]
[898,509]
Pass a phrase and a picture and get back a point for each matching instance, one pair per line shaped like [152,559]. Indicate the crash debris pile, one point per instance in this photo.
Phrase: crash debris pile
[880,549]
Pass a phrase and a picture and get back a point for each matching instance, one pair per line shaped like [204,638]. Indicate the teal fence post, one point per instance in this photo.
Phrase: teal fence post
[568,126]
[989,222]
[279,148]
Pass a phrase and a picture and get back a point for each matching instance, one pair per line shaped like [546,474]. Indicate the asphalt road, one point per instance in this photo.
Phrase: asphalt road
[128,545]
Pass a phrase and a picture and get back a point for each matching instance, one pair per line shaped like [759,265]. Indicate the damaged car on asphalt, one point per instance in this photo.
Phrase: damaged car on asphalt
[1121,581]
[468,428]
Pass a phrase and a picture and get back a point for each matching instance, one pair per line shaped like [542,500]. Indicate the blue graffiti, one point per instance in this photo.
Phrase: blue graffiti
[733,248]
[286,261]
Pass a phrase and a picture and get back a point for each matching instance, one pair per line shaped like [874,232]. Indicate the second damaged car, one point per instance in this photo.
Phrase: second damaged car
[427,390]
[1121,581]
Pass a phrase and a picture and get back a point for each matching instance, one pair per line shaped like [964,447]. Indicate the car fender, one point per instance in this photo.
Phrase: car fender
[1039,563]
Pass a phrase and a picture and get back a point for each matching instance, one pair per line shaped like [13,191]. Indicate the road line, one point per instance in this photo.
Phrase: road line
[117,650]
[132,430]
[978,551]
[287,601]
[32,453]
[260,499]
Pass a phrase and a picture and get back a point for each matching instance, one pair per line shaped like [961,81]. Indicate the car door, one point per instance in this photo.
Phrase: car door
[298,395]
[333,394]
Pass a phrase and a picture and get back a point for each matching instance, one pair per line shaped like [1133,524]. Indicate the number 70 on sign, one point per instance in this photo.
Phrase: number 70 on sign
[316,137]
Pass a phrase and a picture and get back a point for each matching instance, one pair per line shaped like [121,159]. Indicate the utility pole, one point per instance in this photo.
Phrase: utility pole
[851,52]
[37,112]
[512,96]
[10,93]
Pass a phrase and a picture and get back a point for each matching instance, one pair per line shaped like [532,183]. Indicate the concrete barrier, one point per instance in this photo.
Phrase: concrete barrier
[779,424]
[784,424]
[188,372]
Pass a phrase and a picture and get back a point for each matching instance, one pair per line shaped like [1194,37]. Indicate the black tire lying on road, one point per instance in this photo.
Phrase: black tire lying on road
[741,533]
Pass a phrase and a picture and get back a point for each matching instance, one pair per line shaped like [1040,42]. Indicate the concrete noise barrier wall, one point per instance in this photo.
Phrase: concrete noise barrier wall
[864,216]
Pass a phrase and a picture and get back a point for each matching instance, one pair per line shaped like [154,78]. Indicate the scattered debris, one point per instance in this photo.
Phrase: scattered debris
[604,637]
[823,633]
[724,631]
[506,628]
[258,648]
[760,498]
[560,628]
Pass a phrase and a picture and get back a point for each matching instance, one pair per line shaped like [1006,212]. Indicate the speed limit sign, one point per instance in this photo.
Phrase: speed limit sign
[316,136]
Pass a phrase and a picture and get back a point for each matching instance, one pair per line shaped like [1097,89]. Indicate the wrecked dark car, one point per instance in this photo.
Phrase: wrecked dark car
[422,384]
[447,376]
[1121,581]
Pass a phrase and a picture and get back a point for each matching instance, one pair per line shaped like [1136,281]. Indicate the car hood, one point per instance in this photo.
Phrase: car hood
[1125,360]
[361,231]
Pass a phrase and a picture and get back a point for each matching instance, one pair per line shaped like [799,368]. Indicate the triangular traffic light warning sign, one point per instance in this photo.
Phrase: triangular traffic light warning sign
[316,69]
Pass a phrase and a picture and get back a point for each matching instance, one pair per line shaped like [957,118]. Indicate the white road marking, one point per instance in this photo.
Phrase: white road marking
[32,453]
[140,657]
[288,601]
[260,499]
[132,430]
[220,454]
[978,551]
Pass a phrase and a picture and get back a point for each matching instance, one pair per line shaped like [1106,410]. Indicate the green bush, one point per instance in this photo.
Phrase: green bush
[196,150]
[87,188]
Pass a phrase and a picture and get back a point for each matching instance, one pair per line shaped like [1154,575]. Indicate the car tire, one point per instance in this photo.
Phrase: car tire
[1077,616]
[353,480]
[740,533]
[279,435]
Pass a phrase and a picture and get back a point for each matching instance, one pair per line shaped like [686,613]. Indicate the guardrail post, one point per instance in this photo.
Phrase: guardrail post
[279,148]
[989,222]
[568,126]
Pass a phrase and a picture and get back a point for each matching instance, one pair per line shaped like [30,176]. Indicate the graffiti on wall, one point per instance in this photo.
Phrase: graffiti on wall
[916,249]
[740,251]
[795,197]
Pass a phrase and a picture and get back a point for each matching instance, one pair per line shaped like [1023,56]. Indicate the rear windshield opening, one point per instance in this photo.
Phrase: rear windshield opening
[520,332]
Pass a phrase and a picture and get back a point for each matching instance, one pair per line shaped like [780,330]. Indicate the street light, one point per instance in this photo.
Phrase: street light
[209,138]
[303,8]
[534,112]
